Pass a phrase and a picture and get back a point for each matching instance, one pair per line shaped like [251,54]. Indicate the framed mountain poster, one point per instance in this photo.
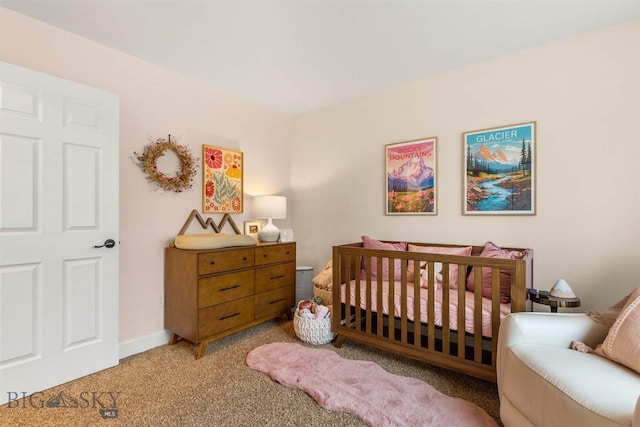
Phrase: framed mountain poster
[500,170]
[411,184]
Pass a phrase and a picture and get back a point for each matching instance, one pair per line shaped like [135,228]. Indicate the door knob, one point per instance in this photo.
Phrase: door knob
[109,243]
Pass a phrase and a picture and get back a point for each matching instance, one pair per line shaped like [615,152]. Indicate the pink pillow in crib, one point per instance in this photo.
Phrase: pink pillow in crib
[453,268]
[369,243]
[492,250]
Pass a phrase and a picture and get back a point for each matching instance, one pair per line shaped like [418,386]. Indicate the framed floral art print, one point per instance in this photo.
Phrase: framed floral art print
[410,169]
[222,180]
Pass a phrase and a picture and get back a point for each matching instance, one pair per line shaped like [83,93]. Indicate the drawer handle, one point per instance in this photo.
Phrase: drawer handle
[277,277]
[264,256]
[212,262]
[276,301]
[231,315]
[230,287]
[288,252]
[244,258]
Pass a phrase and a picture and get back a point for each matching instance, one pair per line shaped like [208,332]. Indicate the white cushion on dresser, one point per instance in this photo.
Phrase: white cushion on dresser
[213,241]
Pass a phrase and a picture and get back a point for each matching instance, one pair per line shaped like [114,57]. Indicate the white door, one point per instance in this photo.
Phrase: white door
[58,199]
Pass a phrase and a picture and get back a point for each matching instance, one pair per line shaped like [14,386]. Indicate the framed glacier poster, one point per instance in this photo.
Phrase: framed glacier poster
[500,170]
[411,184]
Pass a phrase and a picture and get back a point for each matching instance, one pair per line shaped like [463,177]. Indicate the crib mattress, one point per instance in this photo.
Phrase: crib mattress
[469,304]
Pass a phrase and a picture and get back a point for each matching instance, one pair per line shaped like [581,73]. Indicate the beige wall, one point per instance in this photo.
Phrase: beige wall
[155,102]
[584,94]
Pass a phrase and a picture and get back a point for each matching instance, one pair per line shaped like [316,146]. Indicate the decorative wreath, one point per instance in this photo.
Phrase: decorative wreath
[183,178]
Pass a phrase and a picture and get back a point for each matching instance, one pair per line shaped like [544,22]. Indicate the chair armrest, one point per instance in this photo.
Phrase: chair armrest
[550,329]
[555,329]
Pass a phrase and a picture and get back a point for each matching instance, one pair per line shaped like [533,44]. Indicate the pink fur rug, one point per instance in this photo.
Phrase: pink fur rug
[363,389]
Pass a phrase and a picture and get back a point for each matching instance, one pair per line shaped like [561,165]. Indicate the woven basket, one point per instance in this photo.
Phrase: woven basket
[327,296]
[313,331]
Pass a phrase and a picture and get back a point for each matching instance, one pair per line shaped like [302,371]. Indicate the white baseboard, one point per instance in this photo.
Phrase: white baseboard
[138,345]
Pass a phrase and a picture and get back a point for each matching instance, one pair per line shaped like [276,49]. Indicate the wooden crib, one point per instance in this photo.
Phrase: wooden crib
[448,325]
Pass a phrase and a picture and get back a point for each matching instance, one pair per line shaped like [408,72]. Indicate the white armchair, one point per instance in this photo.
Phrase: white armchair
[543,382]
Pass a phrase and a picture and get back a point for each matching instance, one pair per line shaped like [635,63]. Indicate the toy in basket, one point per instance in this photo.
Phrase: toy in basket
[312,322]
[322,286]
[325,295]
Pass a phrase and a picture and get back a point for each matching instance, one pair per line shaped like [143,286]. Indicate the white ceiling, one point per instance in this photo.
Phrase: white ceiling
[299,55]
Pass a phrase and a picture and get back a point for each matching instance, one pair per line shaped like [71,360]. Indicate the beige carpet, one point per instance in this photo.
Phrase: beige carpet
[166,386]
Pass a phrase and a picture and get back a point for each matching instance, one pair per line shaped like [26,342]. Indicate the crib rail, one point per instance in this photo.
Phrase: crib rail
[401,330]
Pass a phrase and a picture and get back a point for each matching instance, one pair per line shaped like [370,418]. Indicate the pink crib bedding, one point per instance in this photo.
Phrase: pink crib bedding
[469,302]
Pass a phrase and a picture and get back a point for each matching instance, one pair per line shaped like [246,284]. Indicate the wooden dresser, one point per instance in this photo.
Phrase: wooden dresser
[210,294]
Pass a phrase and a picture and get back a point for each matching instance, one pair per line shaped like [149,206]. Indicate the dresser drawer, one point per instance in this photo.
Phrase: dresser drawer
[218,318]
[274,301]
[224,287]
[277,253]
[219,261]
[275,276]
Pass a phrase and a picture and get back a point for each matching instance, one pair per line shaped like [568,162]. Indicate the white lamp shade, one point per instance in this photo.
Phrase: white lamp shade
[270,207]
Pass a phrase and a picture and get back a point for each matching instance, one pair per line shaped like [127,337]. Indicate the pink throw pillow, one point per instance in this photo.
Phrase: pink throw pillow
[453,268]
[369,243]
[622,344]
[492,250]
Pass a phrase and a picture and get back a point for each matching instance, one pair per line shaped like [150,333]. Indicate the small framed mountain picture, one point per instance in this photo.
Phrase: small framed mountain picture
[500,170]
[411,170]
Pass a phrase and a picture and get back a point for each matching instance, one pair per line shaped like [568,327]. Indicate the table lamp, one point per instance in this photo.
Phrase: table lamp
[270,208]
[562,290]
